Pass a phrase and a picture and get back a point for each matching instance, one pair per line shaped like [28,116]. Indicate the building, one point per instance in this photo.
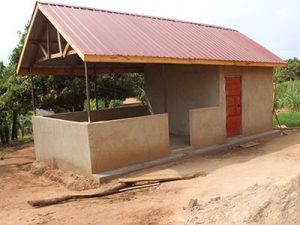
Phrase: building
[203,85]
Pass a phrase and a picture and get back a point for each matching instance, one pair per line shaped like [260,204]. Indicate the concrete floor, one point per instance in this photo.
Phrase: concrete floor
[179,141]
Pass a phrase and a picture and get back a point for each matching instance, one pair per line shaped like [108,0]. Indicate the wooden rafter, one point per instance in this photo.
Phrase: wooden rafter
[45,53]
[62,52]
[59,42]
[66,50]
[71,52]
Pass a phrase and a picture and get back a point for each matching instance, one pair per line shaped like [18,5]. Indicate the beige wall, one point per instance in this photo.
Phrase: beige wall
[62,144]
[257,97]
[208,126]
[87,148]
[184,87]
[122,142]
[104,114]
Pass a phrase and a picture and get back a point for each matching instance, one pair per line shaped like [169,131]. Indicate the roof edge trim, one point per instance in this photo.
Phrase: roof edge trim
[169,60]
[27,38]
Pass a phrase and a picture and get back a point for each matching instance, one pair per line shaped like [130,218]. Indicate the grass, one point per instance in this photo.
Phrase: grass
[288,95]
[290,119]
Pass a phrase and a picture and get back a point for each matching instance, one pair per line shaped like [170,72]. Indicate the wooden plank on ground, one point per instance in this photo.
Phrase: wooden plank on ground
[160,178]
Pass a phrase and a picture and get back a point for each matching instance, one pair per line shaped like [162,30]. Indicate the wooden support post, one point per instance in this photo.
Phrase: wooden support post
[48,43]
[32,92]
[96,87]
[87,86]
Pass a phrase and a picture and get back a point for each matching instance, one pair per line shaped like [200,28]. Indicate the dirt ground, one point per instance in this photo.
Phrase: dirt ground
[257,185]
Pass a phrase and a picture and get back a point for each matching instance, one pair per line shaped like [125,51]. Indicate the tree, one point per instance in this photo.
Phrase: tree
[16,98]
[2,67]
[290,73]
[119,86]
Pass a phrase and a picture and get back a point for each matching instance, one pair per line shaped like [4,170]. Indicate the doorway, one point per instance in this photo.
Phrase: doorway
[233,105]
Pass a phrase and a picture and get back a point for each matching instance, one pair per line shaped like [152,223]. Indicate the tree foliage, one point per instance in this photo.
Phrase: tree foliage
[288,85]
[289,73]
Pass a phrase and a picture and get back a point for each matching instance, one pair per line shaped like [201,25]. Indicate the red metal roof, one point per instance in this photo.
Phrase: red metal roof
[101,32]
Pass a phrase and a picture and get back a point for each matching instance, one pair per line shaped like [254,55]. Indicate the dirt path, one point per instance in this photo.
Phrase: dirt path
[231,175]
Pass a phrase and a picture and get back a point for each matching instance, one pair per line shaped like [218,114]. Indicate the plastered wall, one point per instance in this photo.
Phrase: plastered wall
[257,97]
[177,89]
[122,142]
[62,144]
[87,148]
[208,126]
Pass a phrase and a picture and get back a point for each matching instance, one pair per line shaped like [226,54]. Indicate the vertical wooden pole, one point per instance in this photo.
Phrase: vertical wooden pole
[48,42]
[96,87]
[32,92]
[87,87]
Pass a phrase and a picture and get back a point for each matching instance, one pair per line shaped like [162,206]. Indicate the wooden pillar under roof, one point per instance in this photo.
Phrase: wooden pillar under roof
[32,91]
[87,87]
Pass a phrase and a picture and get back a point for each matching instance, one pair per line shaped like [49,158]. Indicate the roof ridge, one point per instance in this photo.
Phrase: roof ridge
[134,14]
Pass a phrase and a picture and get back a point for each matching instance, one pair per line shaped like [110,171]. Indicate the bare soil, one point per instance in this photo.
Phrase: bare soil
[257,185]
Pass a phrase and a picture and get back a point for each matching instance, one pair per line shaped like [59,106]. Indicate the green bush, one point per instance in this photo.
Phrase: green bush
[115,103]
[290,119]
[288,95]
[101,104]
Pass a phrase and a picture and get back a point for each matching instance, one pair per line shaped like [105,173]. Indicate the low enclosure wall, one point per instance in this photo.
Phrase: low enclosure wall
[62,144]
[122,142]
[104,114]
[207,126]
[88,148]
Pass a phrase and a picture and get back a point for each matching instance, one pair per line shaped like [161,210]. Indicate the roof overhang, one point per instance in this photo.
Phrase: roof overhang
[168,60]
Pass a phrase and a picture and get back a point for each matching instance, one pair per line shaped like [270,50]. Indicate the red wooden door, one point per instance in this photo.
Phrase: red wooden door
[233,106]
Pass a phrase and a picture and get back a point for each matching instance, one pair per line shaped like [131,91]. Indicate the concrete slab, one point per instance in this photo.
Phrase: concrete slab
[179,155]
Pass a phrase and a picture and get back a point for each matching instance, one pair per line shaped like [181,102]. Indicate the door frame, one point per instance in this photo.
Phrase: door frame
[241,104]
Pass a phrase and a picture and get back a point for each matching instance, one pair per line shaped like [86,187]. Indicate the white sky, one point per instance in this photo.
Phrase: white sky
[273,23]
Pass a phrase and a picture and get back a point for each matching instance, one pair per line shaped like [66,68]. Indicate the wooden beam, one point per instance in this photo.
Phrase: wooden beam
[43,30]
[71,52]
[87,89]
[47,38]
[45,53]
[56,55]
[168,60]
[66,50]
[32,92]
[59,42]
[42,41]
[43,59]
[80,71]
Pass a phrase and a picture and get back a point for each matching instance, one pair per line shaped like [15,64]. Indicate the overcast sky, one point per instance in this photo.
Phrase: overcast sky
[273,23]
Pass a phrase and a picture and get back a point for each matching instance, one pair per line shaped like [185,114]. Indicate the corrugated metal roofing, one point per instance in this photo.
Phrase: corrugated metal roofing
[101,32]
[115,39]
